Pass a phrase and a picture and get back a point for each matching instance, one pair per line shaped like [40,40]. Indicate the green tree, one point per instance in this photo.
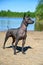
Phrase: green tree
[39,16]
[39,10]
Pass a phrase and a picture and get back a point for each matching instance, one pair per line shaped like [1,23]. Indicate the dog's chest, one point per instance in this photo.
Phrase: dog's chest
[21,34]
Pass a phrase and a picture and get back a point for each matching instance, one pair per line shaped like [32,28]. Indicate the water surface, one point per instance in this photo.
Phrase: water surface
[8,23]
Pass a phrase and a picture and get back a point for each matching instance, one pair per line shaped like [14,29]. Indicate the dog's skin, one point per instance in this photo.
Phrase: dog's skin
[19,33]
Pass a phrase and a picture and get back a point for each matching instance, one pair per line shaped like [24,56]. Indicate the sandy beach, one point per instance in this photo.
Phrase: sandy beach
[33,50]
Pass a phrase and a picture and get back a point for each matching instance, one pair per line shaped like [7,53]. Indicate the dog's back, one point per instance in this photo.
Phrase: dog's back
[12,32]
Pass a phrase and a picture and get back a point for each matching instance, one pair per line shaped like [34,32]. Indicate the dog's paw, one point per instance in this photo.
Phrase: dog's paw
[14,53]
[3,47]
[23,53]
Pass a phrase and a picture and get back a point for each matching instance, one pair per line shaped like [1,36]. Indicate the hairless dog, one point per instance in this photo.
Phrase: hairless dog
[19,33]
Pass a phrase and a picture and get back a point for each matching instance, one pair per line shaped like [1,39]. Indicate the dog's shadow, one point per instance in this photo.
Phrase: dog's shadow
[20,48]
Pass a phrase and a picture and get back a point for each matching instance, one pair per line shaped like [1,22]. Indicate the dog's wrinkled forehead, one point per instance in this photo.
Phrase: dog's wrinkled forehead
[26,17]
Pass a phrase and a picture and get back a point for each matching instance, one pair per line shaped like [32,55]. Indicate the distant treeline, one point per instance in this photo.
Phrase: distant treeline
[9,13]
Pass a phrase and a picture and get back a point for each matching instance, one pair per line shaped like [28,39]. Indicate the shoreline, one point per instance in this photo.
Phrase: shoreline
[27,31]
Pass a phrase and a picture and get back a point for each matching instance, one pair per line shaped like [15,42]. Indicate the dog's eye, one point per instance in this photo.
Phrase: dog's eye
[29,19]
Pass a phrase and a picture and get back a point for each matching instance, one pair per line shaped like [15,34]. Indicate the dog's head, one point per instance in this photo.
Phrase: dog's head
[28,20]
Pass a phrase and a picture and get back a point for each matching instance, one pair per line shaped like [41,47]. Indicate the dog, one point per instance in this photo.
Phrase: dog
[19,33]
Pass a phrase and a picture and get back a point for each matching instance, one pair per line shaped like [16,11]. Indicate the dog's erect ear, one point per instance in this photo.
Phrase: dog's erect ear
[24,15]
[28,14]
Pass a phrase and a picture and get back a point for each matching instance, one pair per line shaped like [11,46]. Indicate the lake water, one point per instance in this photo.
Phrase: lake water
[8,23]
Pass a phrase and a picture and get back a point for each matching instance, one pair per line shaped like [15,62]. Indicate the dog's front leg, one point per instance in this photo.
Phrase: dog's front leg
[16,42]
[23,43]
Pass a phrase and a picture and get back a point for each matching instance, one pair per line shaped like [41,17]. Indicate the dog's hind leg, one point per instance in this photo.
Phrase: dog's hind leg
[13,41]
[6,38]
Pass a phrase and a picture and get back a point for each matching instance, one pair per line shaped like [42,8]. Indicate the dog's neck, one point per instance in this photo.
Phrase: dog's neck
[24,25]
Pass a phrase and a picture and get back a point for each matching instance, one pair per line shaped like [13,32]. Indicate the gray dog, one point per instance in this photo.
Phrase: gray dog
[19,33]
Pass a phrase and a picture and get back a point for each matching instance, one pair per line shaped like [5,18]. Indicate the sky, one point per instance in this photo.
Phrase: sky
[18,5]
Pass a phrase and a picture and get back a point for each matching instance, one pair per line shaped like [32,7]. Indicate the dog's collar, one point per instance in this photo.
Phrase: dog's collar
[26,24]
